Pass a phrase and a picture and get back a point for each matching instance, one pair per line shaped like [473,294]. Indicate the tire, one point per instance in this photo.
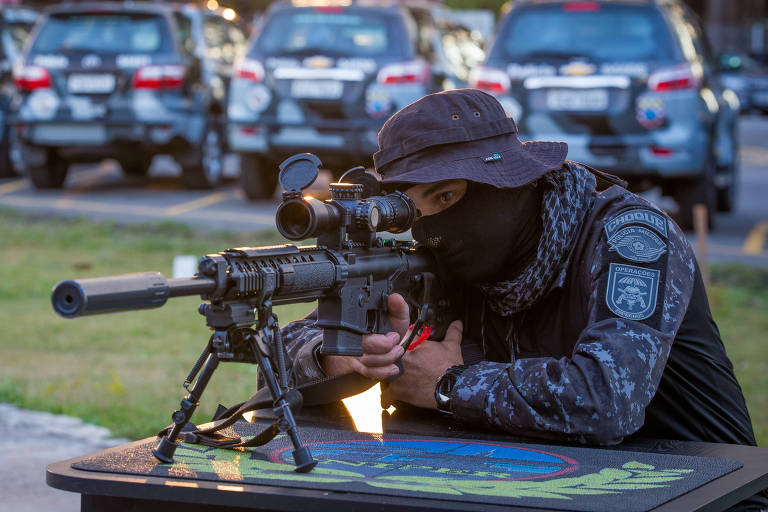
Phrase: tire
[205,168]
[258,176]
[727,191]
[690,192]
[136,166]
[51,175]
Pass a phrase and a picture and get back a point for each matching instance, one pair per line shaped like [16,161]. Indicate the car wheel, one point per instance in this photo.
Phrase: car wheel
[687,193]
[257,176]
[51,175]
[136,166]
[727,189]
[207,165]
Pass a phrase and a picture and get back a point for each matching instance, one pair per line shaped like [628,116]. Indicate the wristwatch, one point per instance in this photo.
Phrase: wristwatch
[445,385]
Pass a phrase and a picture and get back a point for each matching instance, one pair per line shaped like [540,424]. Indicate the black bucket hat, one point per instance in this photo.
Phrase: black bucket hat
[461,134]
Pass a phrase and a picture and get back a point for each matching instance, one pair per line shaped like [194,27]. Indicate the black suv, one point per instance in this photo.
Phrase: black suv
[324,79]
[111,80]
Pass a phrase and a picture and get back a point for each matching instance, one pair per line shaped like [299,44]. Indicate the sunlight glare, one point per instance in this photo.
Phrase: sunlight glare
[365,409]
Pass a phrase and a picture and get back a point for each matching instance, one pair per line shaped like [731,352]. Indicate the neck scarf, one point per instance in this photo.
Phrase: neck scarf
[569,193]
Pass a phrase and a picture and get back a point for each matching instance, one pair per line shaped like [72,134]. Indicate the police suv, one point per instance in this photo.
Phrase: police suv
[630,85]
[323,79]
[110,80]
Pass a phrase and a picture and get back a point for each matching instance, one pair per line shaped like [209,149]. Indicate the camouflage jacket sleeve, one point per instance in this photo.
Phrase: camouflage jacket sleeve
[302,341]
[598,394]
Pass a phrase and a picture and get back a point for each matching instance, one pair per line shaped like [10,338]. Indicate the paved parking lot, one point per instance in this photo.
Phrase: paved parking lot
[100,191]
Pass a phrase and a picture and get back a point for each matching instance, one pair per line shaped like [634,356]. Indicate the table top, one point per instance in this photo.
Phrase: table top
[717,494]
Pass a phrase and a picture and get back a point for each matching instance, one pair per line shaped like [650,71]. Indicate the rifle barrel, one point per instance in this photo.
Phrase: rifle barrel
[144,290]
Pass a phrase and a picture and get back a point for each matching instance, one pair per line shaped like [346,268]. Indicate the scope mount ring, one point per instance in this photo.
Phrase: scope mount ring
[299,172]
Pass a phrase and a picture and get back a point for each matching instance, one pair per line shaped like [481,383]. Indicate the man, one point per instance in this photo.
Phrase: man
[582,316]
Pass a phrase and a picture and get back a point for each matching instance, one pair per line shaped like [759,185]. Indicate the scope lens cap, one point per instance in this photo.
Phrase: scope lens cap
[371,184]
[299,171]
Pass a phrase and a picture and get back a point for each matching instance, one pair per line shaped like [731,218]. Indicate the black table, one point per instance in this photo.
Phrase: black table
[118,492]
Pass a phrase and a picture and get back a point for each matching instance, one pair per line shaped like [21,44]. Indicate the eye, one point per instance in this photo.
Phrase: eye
[446,197]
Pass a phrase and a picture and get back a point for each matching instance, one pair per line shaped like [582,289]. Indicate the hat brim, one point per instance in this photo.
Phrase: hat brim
[515,168]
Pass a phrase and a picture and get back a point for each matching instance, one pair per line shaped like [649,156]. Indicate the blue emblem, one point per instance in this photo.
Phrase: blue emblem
[637,243]
[495,157]
[632,291]
[653,220]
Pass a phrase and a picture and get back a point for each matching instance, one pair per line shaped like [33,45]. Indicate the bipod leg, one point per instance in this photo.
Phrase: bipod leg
[167,445]
[283,401]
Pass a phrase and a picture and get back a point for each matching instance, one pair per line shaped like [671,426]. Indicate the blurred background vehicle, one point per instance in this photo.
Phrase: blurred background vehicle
[216,37]
[446,42]
[111,80]
[747,78]
[633,87]
[15,25]
[325,78]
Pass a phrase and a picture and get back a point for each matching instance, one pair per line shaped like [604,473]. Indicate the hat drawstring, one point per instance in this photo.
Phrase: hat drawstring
[610,178]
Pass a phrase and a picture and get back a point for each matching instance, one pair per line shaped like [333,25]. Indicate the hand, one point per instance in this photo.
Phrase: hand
[423,366]
[380,351]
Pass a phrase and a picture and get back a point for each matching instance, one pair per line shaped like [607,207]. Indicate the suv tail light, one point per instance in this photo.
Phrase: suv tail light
[674,79]
[169,76]
[30,77]
[250,69]
[410,72]
[489,79]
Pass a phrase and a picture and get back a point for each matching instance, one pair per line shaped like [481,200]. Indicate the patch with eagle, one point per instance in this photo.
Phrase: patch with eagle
[637,243]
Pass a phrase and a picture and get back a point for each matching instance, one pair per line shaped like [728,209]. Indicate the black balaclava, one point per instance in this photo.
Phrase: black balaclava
[489,235]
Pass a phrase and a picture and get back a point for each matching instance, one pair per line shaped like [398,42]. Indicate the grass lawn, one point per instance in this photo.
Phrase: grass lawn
[124,371]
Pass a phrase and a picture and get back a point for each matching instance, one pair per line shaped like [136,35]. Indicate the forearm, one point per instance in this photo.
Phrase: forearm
[598,395]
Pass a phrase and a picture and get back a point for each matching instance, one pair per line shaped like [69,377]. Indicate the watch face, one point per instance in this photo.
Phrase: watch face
[443,390]
[445,386]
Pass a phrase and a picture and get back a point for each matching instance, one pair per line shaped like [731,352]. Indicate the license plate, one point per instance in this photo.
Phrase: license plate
[91,83]
[317,89]
[70,134]
[577,100]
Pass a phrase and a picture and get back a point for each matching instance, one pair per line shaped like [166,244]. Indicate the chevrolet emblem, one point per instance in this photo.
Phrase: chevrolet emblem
[578,69]
[318,62]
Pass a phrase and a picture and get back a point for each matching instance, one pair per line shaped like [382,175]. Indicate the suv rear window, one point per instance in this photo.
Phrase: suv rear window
[332,32]
[601,33]
[104,33]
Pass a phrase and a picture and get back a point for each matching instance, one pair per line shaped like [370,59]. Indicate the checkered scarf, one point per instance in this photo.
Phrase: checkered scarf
[568,195]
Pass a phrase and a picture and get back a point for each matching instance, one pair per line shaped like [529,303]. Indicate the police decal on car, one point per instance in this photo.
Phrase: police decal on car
[637,243]
[632,291]
[653,220]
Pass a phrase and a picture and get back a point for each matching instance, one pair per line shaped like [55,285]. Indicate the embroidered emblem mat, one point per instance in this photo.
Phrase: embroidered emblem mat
[521,474]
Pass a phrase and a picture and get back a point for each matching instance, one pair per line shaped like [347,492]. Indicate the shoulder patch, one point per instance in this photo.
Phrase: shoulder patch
[649,218]
[636,243]
[632,291]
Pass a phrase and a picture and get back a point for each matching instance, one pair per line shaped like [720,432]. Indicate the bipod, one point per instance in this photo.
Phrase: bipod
[239,342]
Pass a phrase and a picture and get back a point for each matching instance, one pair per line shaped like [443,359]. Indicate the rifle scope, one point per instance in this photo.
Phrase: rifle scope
[299,218]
